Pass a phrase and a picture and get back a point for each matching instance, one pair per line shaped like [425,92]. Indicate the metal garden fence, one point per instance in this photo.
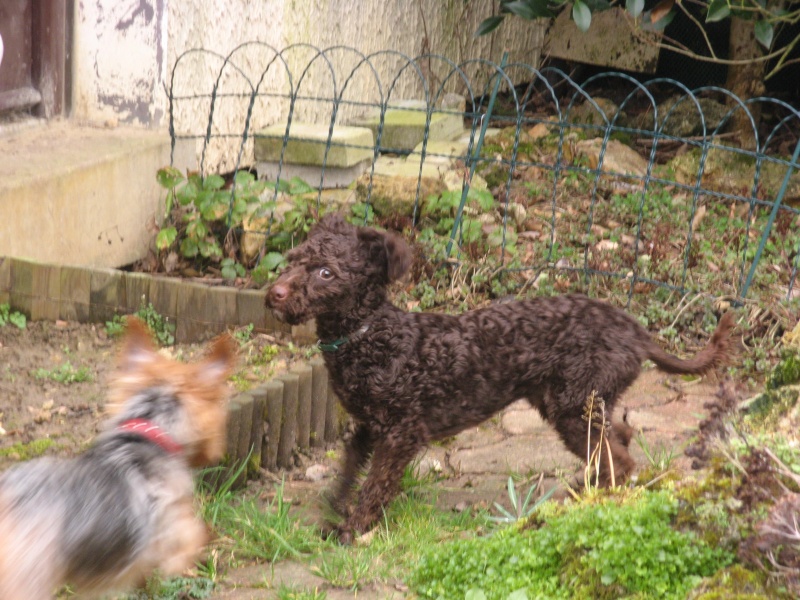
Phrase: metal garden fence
[703,215]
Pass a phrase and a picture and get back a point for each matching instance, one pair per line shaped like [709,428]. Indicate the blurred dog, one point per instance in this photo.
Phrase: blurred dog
[105,520]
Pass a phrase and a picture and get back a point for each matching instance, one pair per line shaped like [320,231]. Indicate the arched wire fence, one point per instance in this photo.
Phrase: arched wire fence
[665,188]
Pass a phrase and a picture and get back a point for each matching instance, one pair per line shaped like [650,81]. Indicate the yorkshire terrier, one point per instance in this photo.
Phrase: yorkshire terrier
[107,519]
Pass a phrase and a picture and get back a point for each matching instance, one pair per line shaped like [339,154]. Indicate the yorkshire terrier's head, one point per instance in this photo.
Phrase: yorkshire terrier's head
[188,401]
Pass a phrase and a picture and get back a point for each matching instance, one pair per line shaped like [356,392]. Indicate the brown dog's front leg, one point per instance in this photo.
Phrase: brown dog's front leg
[356,454]
[381,485]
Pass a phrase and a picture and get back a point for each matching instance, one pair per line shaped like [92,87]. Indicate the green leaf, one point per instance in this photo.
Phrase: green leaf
[529,9]
[189,247]
[518,595]
[272,261]
[209,248]
[169,177]
[488,25]
[213,182]
[581,15]
[166,237]
[764,33]
[717,11]
[187,193]
[298,186]
[475,594]
[243,178]
[634,7]
[228,272]
[18,319]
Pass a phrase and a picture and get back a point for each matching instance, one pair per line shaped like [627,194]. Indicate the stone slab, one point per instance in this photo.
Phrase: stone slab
[89,193]
[403,127]
[307,143]
[440,152]
[331,178]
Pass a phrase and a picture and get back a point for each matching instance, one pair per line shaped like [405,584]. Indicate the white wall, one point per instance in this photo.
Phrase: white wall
[125,51]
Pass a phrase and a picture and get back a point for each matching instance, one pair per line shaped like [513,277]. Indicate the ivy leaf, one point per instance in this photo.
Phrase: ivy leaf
[717,11]
[272,261]
[166,237]
[634,7]
[213,182]
[581,15]
[764,33]
[488,25]
[169,177]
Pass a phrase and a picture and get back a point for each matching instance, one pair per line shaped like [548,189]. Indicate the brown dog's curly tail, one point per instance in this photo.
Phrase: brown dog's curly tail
[714,354]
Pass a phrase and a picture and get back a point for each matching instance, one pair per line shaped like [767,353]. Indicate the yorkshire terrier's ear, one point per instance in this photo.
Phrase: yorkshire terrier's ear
[220,361]
[138,347]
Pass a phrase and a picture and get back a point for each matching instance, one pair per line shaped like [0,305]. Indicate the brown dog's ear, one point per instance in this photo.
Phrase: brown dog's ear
[387,251]
[398,256]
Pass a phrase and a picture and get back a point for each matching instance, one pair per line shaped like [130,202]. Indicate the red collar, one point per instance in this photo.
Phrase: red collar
[151,431]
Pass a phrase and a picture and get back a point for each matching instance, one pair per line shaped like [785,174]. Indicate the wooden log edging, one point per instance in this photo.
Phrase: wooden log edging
[50,292]
[269,424]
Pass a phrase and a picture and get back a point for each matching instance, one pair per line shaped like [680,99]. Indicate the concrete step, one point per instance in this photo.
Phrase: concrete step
[76,195]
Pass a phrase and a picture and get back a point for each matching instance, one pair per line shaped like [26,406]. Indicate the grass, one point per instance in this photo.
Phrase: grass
[64,373]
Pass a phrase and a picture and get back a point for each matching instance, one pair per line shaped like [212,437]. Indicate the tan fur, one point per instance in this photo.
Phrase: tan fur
[32,562]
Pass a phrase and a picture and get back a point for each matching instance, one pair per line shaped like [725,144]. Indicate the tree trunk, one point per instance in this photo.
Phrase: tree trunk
[746,81]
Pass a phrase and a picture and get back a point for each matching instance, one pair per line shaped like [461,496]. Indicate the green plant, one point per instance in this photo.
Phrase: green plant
[286,592]
[524,509]
[11,316]
[178,588]
[207,212]
[268,267]
[116,326]
[65,373]
[598,550]
[243,334]
[158,324]
[230,269]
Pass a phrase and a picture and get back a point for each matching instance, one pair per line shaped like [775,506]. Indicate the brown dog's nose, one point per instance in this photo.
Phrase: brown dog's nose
[279,292]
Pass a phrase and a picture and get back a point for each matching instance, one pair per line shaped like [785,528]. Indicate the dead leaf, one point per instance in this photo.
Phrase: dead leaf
[661,10]
[698,217]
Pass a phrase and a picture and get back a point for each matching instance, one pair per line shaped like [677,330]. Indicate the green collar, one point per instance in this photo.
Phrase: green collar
[337,343]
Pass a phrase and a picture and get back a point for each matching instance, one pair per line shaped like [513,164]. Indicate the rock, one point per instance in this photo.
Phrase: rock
[729,171]
[618,158]
[316,473]
[429,465]
[454,179]
[684,120]
[394,186]
[587,114]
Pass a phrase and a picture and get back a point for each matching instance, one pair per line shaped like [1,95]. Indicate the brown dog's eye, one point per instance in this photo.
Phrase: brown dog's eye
[325,274]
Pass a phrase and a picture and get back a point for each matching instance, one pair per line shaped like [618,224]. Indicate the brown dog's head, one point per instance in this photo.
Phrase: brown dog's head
[339,269]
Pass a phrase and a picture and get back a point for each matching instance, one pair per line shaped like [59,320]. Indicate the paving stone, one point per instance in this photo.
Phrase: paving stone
[331,178]
[404,125]
[438,153]
[308,141]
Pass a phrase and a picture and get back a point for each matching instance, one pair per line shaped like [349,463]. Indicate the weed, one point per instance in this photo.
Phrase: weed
[11,316]
[243,334]
[524,509]
[179,588]
[27,451]
[65,374]
[161,327]
[285,592]
[597,550]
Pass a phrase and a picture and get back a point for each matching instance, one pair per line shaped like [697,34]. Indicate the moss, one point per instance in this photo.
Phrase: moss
[736,583]
[786,372]
[27,451]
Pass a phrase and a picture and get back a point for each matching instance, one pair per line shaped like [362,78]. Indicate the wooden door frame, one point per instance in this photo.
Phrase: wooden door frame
[47,94]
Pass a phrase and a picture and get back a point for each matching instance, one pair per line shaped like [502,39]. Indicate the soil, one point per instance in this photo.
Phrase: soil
[473,467]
